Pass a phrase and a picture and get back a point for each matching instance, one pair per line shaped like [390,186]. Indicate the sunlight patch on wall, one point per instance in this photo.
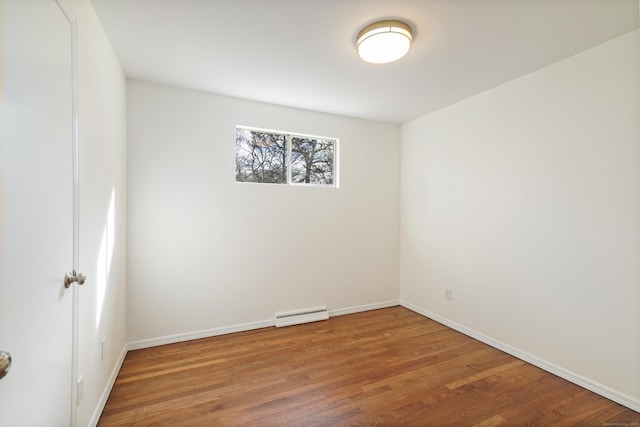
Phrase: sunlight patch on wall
[105,257]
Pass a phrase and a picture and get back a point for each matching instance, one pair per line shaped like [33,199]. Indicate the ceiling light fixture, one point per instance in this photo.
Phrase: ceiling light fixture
[384,41]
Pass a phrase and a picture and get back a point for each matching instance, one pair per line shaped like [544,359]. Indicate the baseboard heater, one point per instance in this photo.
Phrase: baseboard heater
[301,316]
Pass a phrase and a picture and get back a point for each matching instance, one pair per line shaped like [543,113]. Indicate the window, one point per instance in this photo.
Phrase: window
[282,158]
[261,156]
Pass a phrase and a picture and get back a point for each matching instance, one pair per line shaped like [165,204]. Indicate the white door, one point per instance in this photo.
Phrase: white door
[37,213]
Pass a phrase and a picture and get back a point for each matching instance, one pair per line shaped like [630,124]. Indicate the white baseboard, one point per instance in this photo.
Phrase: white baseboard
[171,339]
[361,308]
[593,386]
[93,422]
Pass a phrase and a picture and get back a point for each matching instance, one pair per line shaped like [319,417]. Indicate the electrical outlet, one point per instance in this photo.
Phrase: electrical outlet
[448,294]
[102,345]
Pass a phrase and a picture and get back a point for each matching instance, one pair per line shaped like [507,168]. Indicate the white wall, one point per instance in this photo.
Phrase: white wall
[525,201]
[102,92]
[207,253]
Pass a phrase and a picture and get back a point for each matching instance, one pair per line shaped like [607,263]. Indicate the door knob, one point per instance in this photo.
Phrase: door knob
[5,363]
[69,278]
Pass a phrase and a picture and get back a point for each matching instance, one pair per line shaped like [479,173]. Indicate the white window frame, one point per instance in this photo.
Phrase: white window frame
[289,137]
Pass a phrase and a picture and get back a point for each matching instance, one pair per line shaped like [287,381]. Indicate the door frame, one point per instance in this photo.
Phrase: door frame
[67,11]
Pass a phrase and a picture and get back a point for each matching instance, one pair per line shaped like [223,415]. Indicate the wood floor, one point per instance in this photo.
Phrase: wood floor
[386,367]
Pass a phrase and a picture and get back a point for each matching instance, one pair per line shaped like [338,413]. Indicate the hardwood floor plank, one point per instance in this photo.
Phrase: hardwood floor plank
[494,421]
[385,367]
[483,374]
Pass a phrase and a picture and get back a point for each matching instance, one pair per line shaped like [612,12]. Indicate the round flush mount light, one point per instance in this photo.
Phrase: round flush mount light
[384,41]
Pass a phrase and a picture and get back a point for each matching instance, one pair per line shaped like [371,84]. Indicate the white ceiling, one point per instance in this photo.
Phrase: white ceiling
[301,53]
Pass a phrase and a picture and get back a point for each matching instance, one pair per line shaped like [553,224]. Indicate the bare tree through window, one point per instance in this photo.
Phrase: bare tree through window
[261,157]
[280,158]
[312,161]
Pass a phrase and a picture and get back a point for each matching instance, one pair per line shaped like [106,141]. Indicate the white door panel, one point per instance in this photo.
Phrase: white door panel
[37,214]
